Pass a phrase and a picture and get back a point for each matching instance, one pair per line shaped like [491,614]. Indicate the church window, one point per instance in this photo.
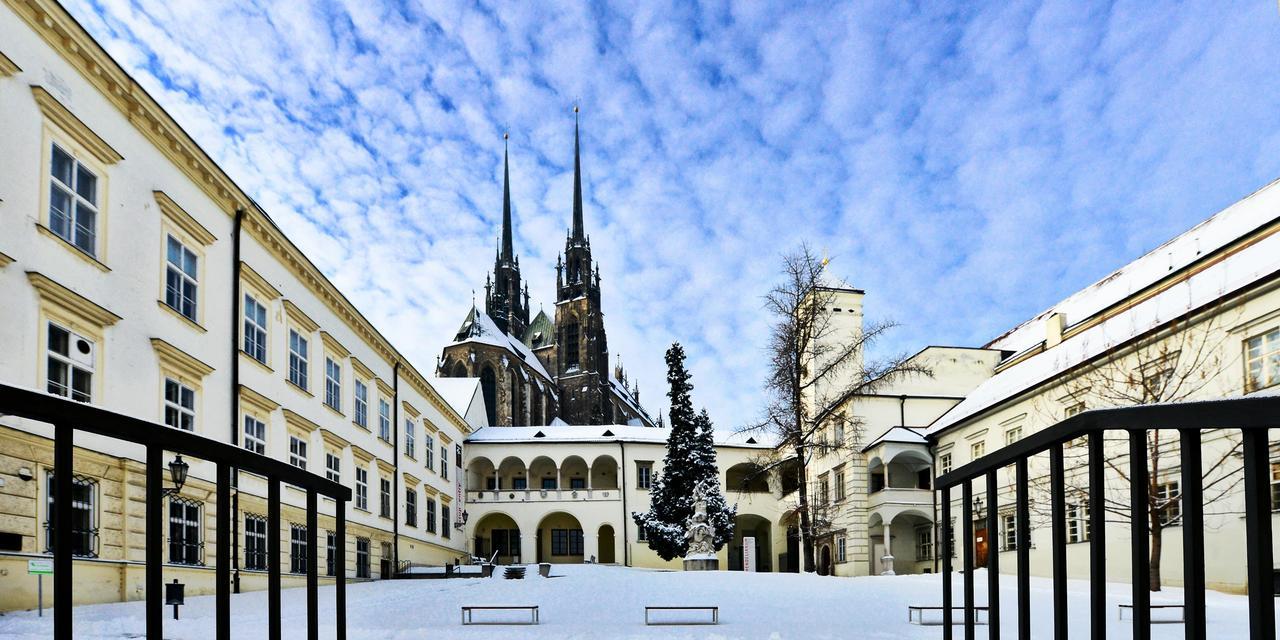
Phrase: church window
[488,388]
[571,345]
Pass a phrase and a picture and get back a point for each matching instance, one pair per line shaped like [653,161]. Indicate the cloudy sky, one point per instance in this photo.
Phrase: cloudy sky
[967,166]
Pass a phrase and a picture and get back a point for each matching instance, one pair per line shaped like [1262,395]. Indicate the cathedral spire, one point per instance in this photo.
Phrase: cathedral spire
[506,200]
[577,180]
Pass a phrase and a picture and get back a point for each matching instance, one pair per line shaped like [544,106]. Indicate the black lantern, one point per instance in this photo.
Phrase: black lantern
[177,473]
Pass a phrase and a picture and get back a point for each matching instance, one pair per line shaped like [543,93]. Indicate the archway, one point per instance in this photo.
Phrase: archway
[604,472]
[560,539]
[746,477]
[746,525]
[512,474]
[459,369]
[543,474]
[824,561]
[489,389]
[497,532]
[480,473]
[605,539]
[573,473]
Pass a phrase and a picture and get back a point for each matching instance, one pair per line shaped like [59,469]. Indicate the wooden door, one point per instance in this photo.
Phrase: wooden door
[980,547]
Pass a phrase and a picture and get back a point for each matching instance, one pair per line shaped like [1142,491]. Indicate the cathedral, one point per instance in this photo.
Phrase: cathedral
[543,371]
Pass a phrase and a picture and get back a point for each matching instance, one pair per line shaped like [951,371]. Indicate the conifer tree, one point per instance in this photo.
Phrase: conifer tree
[690,458]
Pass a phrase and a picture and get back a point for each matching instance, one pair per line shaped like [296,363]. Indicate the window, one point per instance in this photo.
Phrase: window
[977,449]
[951,539]
[411,507]
[179,405]
[428,452]
[924,543]
[297,359]
[1078,521]
[297,548]
[384,420]
[838,430]
[184,532]
[84,522]
[1009,530]
[548,483]
[520,484]
[361,405]
[71,363]
[1169,503]
[1013,435]
[444,520]
[332,467]
[384,507]
[255,435]
[444,462]
[181,274]
[431,515]
[944,463]
[839,485]
[577,483]
[331,553]
[571,346]
[566,542]
[1275,485]
[255,329]
[333,384]
[298,452]
[840,549]
[642,534]
[409,439]
[1262,360]
[362,557]
[362,488]
[255,543]
[1071,410]
[73,202]
[644,475]
[824,489]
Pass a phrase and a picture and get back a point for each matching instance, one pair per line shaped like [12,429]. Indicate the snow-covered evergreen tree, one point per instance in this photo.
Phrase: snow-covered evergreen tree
[691,457]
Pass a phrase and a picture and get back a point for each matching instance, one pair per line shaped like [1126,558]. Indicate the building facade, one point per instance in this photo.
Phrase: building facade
[136,276]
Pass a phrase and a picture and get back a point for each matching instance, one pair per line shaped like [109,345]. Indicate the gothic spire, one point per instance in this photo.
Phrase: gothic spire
[577,180]
[506,200]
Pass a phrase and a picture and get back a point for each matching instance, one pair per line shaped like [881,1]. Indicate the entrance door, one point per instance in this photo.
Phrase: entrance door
[980,547]
[824,568]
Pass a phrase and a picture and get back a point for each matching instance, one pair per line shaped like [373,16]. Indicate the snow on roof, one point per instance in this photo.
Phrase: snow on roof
[1217,280]
[596,433]
[905,435]
[483,330]
[621,390]
[459,393]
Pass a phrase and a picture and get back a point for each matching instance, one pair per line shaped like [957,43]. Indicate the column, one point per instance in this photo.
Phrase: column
[887,558]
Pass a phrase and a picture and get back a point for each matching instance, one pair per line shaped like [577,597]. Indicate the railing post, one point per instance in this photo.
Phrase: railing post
[946,534]
[154,543]
[63,477]
[1023,536]
[273,559]
[313,574]
[993,557]
[966,510]
[1058,510]
[1139,512]
[1257,510]
[1097,538]
[222,572]
[340,585]
[1192,502]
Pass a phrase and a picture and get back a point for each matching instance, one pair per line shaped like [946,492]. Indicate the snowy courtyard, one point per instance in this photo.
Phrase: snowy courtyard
[608,602]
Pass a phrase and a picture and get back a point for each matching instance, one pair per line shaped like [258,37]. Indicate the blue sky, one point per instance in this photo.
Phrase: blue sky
[966,165]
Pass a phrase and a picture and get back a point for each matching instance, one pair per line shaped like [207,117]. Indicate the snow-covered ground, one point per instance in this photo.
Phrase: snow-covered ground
[608,602]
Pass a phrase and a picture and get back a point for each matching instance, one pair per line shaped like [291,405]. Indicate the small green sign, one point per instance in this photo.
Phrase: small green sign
[40,567]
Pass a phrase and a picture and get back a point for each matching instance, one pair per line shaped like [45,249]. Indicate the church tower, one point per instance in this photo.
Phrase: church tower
[504,300]
[582,351]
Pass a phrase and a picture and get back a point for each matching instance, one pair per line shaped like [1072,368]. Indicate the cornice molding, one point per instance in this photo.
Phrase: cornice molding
[295,314]
[409,409]
[386,468]
[362,456]
[411,481]
[296,421]
[334,440]
[61,116]
[257,400]
[332,345]
[5,260]
[7,67]
[255,280]
[360,368]
[183,220]
[385,390]
[181,361]
[88,311]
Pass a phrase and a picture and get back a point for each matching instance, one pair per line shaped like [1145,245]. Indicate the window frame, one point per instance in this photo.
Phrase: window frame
[250,341]
[410,507]
[80,157]
[430,518]
[299,368]
[332,384]
[88,537]
[298,451]
[187,249]
[188,553]
[176,408]
[362,488]
[333,466]
[48,356]
[246,439]
[255,542]
[384,420]
[1269,339]
[360,403]
[297,548]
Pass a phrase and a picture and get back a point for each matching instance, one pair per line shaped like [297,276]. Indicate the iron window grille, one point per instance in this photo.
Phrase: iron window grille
[185,527]
[255,542]
[331,554]
[362,557]
[84,523]
[297,548]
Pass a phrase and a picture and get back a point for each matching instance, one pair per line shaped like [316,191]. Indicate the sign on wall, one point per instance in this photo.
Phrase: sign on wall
[749,553]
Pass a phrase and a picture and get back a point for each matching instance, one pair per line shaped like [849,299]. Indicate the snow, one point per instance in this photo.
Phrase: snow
[898,434]
[591,601]
[485,331]
[595,433]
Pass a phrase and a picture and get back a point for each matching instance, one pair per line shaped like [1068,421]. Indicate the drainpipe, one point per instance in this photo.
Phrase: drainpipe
[902,410]
[395,479]
[626,541]
[235,398]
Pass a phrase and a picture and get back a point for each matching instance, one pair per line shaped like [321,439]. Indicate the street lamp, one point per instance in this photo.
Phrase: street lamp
[978,512]
[178,473]
[465,515]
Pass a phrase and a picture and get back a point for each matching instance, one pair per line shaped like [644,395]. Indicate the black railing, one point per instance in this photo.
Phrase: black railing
[1253,417]
[68,416]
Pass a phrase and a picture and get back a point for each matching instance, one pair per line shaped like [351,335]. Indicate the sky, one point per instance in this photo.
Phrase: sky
[967,165]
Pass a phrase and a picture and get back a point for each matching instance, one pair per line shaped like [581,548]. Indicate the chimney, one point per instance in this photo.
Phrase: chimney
[1053,329]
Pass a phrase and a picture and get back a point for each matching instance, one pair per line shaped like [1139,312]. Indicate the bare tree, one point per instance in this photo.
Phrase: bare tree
[816,365]
[1175,366]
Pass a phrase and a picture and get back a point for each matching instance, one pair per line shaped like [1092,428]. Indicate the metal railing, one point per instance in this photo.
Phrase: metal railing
[68,416]
[1253,417]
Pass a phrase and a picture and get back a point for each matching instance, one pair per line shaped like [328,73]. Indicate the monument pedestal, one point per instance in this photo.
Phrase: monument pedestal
[701,563]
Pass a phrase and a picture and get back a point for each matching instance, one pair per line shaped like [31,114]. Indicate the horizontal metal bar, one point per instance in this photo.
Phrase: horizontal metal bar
[35,405]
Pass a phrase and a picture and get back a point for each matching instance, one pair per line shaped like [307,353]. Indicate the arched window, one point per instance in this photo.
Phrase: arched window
[489,389]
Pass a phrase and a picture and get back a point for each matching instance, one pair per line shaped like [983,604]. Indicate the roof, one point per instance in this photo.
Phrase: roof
[598,433]
[905,435]
[1216,279]
[541,332]
[459,393]
[479,328]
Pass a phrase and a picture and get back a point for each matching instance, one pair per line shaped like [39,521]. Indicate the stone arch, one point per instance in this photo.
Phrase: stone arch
[604,472]
[606,541]
[560,539]
[499,532]
[512,473]
[459,369]
[542,469]
[573,473]
[479,471]
[754,526]
[746,477]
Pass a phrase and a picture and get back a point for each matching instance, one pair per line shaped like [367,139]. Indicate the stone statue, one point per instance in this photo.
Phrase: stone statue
[701,554]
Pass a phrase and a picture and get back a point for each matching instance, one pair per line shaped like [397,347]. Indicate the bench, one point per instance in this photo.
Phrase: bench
[467,611]
[1181,610]
[715,615]
[979,615]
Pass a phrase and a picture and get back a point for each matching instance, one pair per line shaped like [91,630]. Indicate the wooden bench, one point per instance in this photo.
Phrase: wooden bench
[1181,609]
[715,615]
[957,615]
[466,613]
